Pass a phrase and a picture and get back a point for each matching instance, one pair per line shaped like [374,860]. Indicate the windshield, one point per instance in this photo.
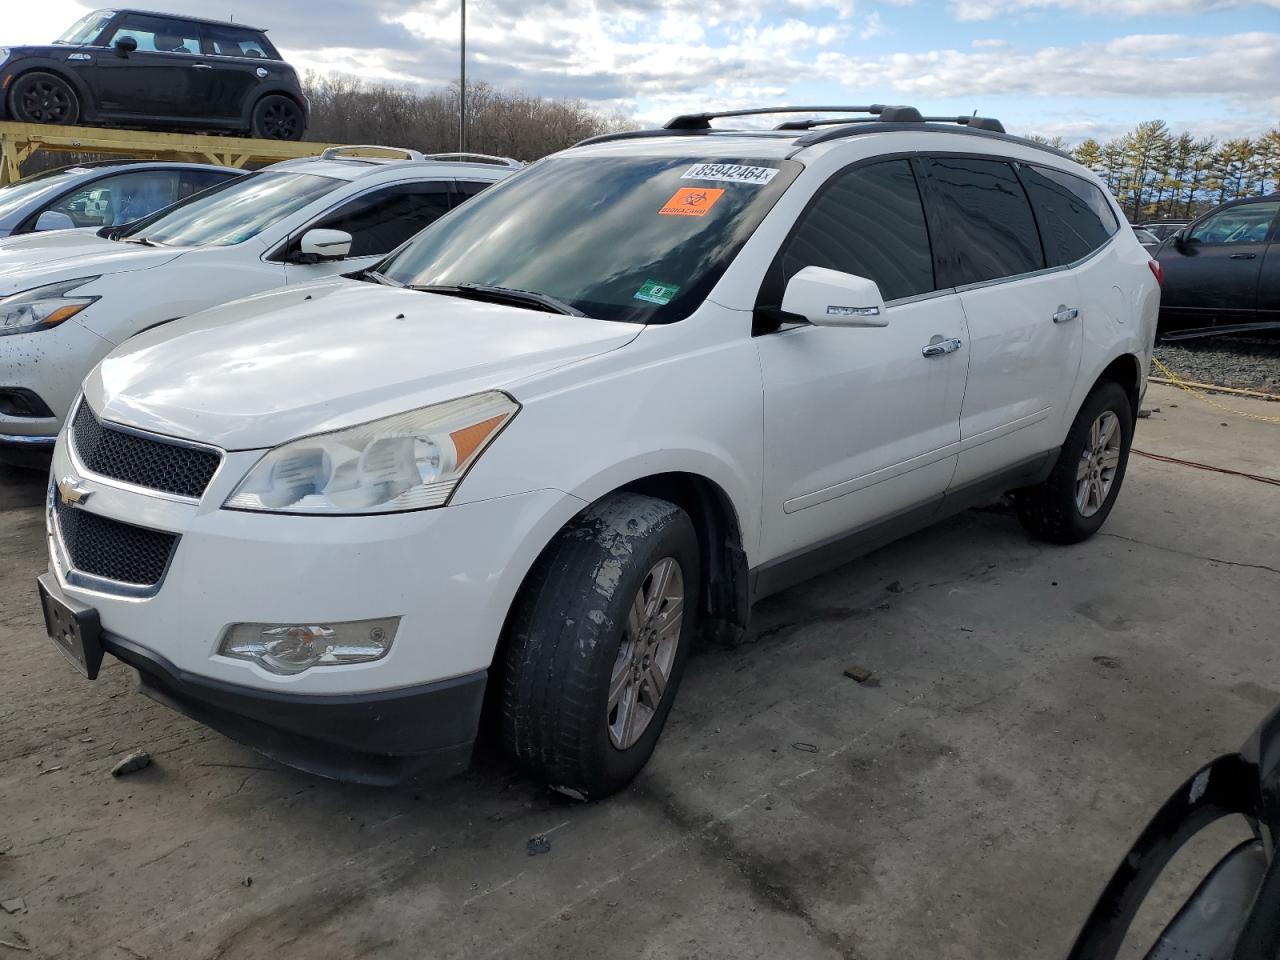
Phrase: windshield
[87,27]
[234,212]
[16,198]
[640,239]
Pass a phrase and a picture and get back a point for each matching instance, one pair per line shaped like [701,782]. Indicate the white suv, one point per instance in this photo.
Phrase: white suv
[67,298]
[606,405]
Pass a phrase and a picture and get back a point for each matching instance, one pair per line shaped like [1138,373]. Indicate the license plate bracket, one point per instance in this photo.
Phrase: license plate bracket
[73,627]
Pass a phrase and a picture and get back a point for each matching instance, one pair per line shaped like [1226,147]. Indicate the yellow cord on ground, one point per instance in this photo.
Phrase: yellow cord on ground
[1182,385]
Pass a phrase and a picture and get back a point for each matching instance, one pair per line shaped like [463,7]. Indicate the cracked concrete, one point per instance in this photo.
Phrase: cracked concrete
[1035,705]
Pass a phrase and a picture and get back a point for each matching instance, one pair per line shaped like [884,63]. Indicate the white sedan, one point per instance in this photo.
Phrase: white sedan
[68,298]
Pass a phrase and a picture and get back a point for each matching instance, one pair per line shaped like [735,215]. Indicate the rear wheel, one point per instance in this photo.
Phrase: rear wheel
[1075,500]
[44,98]
[597,645]
[278,118]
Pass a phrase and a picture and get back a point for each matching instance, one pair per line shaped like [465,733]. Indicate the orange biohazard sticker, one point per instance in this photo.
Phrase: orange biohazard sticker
[691,202]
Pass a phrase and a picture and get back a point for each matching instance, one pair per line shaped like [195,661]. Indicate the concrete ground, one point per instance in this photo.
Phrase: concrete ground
[1031,707]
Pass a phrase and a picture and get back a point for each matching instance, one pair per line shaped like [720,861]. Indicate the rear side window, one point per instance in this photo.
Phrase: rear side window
[382,220]
[868,221]
[231,42]
[988,221]
[1075,218]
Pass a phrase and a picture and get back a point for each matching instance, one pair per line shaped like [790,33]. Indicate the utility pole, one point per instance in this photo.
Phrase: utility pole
[462,83]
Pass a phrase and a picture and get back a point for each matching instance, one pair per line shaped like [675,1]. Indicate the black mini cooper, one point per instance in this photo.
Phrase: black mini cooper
[136,69]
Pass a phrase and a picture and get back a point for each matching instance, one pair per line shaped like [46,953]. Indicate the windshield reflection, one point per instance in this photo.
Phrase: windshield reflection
[235,212]
[598,233]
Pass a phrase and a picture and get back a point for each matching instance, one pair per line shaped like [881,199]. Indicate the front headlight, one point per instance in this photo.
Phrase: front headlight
[410,461]
[43,307]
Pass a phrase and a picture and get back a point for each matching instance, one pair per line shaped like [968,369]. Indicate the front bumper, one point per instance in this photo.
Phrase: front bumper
[33,453]
[384,738]
[449,574]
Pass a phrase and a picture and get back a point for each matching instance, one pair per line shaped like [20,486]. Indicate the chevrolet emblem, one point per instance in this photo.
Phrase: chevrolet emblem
[70,491]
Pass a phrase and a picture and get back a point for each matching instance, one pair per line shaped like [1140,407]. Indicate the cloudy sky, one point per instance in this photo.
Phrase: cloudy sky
[1070,67]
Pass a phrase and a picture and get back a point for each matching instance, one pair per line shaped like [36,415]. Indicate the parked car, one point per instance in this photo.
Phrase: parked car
[1148,239]
[135,68]
[611,402]
[106,193]
[1234,913]
[1222,271]
[67,298]
[1164,229]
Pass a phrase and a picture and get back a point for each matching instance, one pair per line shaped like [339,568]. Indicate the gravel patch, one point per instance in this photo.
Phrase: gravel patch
[1251,363]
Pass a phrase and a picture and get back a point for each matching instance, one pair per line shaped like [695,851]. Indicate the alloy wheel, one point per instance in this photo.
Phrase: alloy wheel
[646,654]
[46,102]
[280,121]
[1099,461]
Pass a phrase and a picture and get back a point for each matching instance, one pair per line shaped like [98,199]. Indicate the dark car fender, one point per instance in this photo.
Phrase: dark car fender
[26,60]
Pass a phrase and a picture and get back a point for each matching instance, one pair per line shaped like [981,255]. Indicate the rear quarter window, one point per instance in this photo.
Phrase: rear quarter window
[1074,216]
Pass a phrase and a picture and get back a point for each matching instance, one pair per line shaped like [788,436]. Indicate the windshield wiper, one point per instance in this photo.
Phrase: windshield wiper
[484,291]
[376,277]
[140,240]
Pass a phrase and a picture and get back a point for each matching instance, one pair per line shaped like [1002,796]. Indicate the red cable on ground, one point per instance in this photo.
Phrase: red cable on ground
[1204,466]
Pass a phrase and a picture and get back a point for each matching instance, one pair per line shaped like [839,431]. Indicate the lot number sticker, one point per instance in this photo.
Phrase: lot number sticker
[731,173]
[653,292]
[691,202]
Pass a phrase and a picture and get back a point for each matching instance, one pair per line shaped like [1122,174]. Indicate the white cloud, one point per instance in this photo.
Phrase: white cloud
[990,9]
[873,26]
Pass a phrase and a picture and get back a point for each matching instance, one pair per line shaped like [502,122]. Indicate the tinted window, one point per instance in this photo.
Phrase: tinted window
[870,222]
[469,188]
[987,218]
[115,201]
[157,34]
[382,220]
[230,42]
[631,238]
[1247,223]
[193,181]
[1074,216]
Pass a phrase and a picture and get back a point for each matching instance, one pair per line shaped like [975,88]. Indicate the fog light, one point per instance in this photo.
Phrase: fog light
[292,647]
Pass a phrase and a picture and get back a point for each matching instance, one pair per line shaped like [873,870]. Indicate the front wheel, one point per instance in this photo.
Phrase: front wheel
[597,645]
[278,118]
[1078,495]
[44,98]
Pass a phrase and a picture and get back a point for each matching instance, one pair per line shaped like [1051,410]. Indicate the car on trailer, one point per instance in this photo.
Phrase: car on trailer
[155,71]
[69,297]
[102,193]
[599,410]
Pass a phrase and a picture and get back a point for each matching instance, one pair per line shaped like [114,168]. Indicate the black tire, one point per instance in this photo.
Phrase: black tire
[1050,510]
[564,638]
[276,117]
[44,98]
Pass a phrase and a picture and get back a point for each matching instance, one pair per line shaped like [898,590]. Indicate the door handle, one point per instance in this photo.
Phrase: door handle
[940,347]
[1243,256]
[201,66]
[1065,314]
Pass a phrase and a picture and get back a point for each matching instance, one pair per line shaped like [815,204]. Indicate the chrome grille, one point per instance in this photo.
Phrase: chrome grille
[141,461]
[113,550]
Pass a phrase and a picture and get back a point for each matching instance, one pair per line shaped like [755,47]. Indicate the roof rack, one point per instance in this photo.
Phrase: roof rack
[360,151]
[702,121]
[482,157]
[978,123]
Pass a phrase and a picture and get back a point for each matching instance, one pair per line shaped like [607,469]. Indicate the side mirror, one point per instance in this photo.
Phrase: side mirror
[320,245]
[126,46]
[1182,239]
[53,220]
[829,298]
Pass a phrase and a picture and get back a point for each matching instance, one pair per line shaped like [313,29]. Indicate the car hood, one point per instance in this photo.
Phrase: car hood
[267,369]
[35,259]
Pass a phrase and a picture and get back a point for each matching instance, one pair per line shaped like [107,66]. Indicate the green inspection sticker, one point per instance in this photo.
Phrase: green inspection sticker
[653,292]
